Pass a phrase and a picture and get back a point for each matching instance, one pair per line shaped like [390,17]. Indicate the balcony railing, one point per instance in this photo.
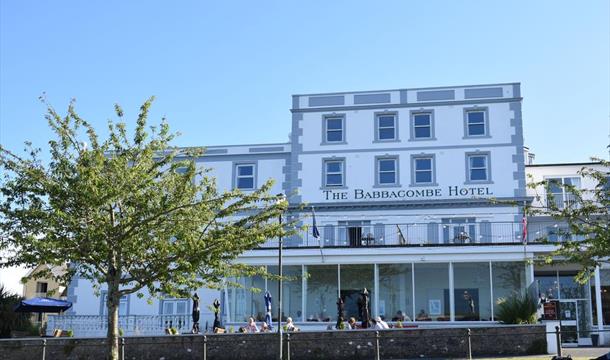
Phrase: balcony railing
[131,325]
[425,234]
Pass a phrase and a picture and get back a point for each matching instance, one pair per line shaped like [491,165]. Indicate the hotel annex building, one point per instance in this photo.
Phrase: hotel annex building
[401,182]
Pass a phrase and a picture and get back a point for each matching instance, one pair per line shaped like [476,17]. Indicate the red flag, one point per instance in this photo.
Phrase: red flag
[524,224]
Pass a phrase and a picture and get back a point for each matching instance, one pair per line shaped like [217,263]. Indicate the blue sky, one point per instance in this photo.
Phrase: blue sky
[223,72]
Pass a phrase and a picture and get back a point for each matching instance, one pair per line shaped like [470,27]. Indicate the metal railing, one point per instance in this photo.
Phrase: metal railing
[425,234]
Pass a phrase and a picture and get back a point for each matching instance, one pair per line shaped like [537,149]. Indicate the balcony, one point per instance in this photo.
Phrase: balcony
[425,234]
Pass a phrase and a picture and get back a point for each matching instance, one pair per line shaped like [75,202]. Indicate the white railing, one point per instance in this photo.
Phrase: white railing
[130,325]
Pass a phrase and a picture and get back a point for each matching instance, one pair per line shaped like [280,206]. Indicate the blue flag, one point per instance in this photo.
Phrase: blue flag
[315,231]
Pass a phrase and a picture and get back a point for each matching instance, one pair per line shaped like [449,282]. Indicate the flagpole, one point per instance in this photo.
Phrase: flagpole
[316,233]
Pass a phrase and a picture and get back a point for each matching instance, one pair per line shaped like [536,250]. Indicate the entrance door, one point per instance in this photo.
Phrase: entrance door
[569,322]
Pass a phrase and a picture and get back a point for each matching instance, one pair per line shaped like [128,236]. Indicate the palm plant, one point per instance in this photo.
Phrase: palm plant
[9,319]
[517,309]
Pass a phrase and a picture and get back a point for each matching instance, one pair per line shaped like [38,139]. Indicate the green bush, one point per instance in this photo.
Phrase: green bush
[517,309]
[9,319]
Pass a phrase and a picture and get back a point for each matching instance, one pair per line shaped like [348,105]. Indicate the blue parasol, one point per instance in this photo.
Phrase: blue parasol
[43,305]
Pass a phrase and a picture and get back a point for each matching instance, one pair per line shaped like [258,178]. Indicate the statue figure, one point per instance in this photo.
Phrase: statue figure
[268,310]
[217,324]
[340,310]
[363,307]
[195,314]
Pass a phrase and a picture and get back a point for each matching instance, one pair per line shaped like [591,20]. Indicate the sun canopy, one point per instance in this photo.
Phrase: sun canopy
[43,305]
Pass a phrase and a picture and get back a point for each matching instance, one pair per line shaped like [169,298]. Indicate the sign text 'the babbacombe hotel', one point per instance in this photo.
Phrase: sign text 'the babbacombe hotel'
[450,191]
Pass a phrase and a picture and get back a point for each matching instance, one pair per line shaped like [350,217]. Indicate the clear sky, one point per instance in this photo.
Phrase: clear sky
[223,71]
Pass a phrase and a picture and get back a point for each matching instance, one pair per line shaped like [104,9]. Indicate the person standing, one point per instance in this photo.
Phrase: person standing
[196,313]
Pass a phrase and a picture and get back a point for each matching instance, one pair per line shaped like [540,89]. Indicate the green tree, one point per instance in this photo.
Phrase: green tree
[128,213]
[9,319]
[585,210]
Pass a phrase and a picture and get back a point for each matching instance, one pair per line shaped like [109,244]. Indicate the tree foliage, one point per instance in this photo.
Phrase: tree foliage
[129,213]
[9,319]
[517,309]
[586,212]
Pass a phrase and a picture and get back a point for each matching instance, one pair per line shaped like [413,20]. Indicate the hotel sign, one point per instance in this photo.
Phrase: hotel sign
[450,191]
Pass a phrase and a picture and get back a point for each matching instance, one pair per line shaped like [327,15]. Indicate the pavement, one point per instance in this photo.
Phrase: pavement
[581,353]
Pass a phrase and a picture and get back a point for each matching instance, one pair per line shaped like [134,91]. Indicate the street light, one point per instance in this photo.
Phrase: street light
[281,198]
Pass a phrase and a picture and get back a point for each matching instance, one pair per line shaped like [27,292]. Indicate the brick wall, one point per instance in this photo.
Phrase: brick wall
[352,345]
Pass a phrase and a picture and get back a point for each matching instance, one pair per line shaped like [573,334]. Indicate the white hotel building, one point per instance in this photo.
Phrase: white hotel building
[401,182]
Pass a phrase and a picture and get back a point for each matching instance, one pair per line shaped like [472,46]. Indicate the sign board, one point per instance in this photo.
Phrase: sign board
[550,310]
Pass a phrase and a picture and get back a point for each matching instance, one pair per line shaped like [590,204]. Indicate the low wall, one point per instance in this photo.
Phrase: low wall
[352,345]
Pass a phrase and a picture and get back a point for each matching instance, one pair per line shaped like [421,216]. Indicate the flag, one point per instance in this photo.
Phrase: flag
[524,224]
[401,238]
[315,231]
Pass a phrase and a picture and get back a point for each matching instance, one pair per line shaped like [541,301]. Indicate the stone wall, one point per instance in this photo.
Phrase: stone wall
[352,345]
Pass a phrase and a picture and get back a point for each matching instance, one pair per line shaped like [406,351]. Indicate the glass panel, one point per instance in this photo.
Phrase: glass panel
[422,132]
[423,177]
[395,292]
[354,278]
[333,167]
[168,307]
[548,286]
[476,129]
[292,290]
[245,183]
[386,133]
[244,302]
[423,164]
[570,289]
[181,307]
[422,119]
[478,161]
[555,186]
[387,178]
[334,124]
[386,121]
[478,174]
[432,292]
[334,179]
[245,170]
[387,165]
[508,279]
[584,320]
[476,117]
[334,135]
[472,291]
[322,293]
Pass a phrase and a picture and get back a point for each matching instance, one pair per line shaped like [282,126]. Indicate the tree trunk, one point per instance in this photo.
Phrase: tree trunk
[112,304]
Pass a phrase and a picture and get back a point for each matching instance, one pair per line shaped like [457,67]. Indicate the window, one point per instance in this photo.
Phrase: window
[334,129]
[41,287]
[175,307]
[244,176]
[559,194]
[386,127]
[123,304]
[423,170]
[421,126]
[387,169]
[478,167]
[476,123]
[334,173]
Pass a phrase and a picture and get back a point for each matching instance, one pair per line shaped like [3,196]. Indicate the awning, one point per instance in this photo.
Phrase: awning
[43,305]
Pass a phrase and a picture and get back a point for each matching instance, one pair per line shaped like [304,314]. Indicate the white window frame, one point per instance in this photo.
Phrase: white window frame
[485,112]
[326,118]
[430,125]
[565,195]
[378,126]
[469,167]
[379,171]
[325,172]
[175,303]
[414,160]
[237,176]
[123,300]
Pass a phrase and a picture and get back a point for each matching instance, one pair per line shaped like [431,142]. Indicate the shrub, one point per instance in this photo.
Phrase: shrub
[517,309]
[9,319]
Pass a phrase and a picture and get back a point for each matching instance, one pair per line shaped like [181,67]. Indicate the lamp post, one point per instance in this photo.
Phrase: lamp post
[280,200]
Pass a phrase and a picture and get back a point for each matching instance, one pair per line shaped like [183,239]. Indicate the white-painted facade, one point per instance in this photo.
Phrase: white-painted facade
[418,196]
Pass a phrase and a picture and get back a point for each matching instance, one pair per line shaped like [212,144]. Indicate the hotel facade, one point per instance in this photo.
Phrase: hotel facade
[418,197]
